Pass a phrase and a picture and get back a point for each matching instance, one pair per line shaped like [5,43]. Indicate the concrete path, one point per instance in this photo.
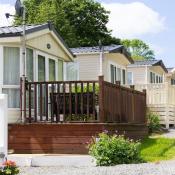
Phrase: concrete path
[170,133]
[163,168]
[83,165]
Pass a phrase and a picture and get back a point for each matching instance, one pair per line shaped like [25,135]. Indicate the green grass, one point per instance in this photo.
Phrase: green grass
[156,149]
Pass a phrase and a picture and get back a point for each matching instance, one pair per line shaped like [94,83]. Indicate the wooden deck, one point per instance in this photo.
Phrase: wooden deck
[65,138]
[61,117]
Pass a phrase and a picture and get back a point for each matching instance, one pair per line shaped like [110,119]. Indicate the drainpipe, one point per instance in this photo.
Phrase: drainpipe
[101,59]
[23,64]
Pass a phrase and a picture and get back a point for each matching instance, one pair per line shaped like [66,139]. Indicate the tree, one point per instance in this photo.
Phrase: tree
[138,49]
[80,22]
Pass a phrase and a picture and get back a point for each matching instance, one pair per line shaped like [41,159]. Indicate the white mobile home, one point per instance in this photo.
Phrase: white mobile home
[45,54]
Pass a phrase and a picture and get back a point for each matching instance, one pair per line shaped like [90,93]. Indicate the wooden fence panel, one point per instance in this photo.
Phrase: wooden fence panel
[121,104]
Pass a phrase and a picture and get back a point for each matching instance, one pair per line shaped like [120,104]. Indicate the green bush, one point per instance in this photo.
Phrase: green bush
[114,149]
[153,122]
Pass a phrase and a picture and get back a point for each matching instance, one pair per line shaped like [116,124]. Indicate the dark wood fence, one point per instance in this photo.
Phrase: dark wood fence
[83,101]
[120,104]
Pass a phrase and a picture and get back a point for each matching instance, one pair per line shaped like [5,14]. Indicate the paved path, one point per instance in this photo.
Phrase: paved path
[162,168]
[170,133]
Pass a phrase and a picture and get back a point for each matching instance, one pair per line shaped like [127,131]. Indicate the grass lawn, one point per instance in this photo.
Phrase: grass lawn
[156,149]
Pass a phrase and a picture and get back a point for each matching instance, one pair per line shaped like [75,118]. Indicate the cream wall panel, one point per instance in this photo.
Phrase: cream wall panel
[41,42]
[139,74]
[88,67]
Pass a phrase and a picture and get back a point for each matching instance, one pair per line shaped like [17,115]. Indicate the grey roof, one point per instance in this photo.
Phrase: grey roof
[149,63]
[109,49]
[9,31]
[13,31]
[170,69]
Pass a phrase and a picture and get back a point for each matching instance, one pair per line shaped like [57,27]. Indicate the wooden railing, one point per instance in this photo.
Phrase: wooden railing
[83,101]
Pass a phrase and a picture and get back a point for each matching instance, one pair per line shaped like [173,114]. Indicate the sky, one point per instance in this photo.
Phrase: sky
[149,20]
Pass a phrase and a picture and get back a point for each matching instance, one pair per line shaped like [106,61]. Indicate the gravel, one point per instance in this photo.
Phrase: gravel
[161,168]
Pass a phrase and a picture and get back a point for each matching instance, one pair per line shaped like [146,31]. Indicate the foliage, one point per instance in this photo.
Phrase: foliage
[153,122]
[156,149]
[9,168]
[114,149]
[80,22]
[79,89]
[138,49]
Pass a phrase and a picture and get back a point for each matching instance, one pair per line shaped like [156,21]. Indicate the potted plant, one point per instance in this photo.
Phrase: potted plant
[9,168]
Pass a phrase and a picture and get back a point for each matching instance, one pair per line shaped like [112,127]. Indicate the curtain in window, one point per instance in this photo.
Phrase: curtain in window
[41,68]
[13,97]
[52,70]
[123,76]
[60,70]
[72,71]
[29,64]
[11,66]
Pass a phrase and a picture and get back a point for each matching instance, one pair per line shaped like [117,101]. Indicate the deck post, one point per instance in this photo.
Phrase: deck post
[101,100]
[145,119]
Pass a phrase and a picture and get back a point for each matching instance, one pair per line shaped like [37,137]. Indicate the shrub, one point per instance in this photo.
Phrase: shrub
[114,149]
[9,168]
[153,122]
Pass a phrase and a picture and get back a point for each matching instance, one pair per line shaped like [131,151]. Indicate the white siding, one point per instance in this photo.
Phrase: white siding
[88,67]
[139,74]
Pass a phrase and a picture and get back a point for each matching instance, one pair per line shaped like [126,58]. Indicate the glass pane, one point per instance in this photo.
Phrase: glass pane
[29,64]
[118,74]
[123,76]
[112,73]
[72,71]
[13,97]
[130,78]
[52,70]
[41,68]
[60,70]
[11,66]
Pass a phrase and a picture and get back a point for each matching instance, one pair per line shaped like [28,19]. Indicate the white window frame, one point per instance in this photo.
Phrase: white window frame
[47,57]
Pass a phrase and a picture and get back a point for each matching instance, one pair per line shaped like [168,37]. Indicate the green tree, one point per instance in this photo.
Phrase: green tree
[138,49]
[80,22]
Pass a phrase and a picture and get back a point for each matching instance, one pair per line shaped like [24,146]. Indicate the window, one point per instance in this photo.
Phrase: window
[60,70]
[11,75]
[117,74]
[29,64]
[41,68]
[130,78]
[11,66]
[52,70]
[123,76]
[72,71]
[155,78]
[113,73]
[152,77]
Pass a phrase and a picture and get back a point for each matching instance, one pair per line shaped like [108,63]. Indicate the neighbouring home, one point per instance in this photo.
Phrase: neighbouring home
[146,72]
[158,81]
[45,54]
[171,76]
[90,62]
